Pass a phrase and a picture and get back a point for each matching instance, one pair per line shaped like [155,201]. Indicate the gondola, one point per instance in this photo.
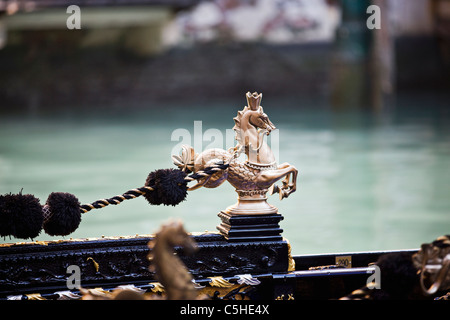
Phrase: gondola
[247,258]
[257,270]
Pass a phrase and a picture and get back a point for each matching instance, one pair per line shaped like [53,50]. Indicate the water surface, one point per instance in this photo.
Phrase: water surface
[366,182]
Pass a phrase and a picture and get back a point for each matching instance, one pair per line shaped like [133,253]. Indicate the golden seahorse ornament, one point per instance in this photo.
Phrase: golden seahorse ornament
[251,178]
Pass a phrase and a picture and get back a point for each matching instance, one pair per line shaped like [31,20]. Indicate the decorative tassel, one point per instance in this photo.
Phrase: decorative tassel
[20,216]
[64,214]
[169,187]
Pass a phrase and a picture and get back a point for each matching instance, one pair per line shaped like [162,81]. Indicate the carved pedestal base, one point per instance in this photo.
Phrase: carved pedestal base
[251,202]
[263,227]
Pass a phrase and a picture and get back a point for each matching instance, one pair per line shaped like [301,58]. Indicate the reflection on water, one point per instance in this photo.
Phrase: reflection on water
[365,183]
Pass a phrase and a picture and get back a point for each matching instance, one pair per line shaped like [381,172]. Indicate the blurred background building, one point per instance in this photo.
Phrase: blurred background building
[153,50]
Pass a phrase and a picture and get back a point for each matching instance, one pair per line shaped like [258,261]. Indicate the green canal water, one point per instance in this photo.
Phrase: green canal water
[366,182]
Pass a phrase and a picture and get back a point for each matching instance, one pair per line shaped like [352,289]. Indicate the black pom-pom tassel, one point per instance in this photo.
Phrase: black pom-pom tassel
[169,186]
[64,214]
[20,216]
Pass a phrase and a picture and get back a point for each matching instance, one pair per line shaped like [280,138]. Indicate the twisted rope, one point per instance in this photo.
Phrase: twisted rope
[134,193]
[130,194]
[207,172]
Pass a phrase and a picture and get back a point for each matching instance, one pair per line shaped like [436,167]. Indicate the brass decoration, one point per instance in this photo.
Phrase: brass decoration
[127,292]
[344,261]
[94,294]
[251,178]
[433,263]
[248,279]
[34,296]
[170,270]
[291,265]
[219,282]
[235,292]
[289,296]
[96,265]
[67,295]
[157,287]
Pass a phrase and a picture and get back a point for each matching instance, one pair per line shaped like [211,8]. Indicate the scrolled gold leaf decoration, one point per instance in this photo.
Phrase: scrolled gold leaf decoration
[219,282]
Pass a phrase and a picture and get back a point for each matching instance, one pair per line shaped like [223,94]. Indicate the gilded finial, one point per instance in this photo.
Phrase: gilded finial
[254,100]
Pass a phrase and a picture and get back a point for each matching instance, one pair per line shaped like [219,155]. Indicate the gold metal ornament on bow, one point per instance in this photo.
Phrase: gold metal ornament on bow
[253,177]
[433,263]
